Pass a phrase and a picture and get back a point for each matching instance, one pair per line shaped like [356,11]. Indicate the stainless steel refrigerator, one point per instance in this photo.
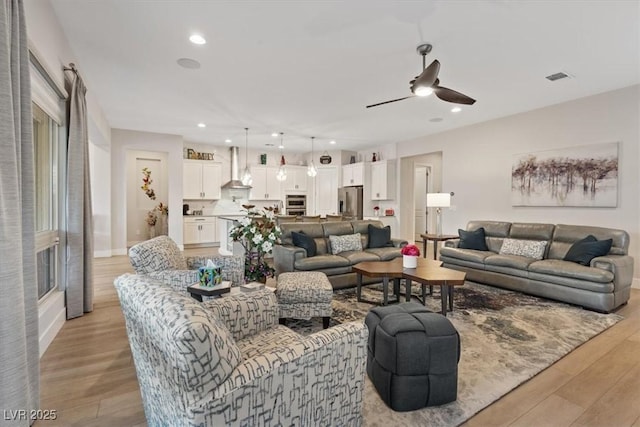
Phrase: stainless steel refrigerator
[350,202]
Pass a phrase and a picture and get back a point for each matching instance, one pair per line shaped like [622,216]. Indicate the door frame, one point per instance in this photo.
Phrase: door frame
[430,218]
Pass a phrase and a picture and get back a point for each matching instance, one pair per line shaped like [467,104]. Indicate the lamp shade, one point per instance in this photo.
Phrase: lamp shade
[438,200]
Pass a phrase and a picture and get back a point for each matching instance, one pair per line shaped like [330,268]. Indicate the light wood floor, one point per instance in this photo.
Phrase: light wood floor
[87,373]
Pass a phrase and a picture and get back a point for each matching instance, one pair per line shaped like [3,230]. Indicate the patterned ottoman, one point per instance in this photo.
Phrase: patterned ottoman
[303,295]
[413,356]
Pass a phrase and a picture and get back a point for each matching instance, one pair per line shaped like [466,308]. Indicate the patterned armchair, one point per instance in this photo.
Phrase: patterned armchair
[161,258]
[228,362]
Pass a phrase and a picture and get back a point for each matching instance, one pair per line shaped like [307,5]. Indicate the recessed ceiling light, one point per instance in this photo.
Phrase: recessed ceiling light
[192,64]
[275,134]
[436,119]
[456,109]
[228,141]
[268,144]
[197,39]
[202,125]
[332,142]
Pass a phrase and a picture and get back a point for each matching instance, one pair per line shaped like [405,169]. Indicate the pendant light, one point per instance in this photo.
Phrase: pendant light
[312,171]
[281,175]
[246,176]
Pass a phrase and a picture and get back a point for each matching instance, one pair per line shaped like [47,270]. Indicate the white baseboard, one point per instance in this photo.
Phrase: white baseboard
[102,254]
[115,252]
[636,283]
[52,314]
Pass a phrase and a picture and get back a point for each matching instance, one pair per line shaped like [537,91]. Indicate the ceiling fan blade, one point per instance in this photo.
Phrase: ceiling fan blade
[451,95]
[428,76]
[387,102]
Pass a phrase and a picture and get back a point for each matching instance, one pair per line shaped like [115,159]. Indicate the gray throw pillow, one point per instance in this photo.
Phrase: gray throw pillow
[348,242]
[527,248]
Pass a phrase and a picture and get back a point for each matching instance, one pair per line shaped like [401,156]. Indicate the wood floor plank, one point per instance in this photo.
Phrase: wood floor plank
[603,374]
[619,406]
[87,373]
[552,411]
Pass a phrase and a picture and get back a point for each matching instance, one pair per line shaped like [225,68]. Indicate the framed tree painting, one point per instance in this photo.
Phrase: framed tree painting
[585,176]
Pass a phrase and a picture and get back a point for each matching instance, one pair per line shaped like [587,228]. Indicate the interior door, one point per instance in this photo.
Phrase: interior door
[420,186]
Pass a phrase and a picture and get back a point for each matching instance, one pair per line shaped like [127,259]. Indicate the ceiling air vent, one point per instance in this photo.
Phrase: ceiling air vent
[557,76]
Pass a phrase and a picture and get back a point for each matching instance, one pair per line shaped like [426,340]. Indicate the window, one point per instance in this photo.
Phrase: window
[45,143]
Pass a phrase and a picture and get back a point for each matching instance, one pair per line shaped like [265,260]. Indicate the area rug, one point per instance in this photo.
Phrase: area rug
[506,339]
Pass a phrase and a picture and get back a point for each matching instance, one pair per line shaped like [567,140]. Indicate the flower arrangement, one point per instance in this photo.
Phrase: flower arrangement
[163,209]
[376,210]
[410,250]
[257,232]
[146,184]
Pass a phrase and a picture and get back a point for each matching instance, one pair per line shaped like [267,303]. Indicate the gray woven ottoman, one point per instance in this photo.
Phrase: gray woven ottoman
[413,356]
[303,295]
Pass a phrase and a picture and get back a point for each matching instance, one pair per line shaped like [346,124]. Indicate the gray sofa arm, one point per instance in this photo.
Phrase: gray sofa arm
[246,313]
[620,265]
[284,257]
[399,243]
[451,243]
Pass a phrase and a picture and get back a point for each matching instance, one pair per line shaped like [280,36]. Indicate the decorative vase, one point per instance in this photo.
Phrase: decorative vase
[409,261]
[163,225]
[152,231]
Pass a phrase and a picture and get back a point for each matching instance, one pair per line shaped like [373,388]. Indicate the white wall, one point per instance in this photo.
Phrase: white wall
[100,166]
[121,142]
[476,162]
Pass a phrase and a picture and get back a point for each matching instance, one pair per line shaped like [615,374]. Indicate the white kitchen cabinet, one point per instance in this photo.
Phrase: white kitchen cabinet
[296,181]
[383,180]
[201,180]
[353,174]
[326,191]
[199,229]
[265,185]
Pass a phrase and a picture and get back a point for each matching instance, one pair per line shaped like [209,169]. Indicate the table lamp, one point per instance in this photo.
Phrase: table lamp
[438,201]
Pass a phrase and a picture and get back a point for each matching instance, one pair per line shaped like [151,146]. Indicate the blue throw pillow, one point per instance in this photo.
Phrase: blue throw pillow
[472,239]
[584,250]
[379,237]
[305,242]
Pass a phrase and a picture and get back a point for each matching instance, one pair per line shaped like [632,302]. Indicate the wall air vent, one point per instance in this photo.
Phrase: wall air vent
[557,76]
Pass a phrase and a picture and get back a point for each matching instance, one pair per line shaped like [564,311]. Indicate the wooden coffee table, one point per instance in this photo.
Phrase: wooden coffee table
[428,273]
[386,270]
[446,278]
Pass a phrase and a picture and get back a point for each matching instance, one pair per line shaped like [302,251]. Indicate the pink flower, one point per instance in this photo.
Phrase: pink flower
[410,250]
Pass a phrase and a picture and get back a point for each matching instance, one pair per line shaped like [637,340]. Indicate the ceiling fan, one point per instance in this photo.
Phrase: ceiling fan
[427,83]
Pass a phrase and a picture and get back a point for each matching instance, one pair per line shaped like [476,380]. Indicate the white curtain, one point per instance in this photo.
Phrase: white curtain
[19,353]
[79,228]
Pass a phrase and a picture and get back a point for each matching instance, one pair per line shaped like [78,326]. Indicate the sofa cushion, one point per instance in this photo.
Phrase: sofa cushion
[513,261]
[472,239]
[320,262]
[527,248]
[572,270]
[583,251]
[379,237]
[385,254]
[355,257]
[565,235]
[303,241]
[466,254]
[348,242]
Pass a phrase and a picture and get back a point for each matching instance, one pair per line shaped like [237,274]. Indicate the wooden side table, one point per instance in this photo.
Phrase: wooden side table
[435,239]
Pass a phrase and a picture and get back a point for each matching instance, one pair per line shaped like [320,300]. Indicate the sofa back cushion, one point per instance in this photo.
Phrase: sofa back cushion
[533,231]
[310,229]
[565,235]
[179,348]
[362,227]
[158,254]
[494,231]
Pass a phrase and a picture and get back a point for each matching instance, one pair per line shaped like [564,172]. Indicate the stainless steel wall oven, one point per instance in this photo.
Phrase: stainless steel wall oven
[296,204]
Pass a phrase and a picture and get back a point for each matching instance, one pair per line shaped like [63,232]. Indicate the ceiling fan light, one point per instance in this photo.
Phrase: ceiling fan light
[423,91]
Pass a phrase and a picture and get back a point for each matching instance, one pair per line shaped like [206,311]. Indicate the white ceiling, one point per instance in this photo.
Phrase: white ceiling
[309,67]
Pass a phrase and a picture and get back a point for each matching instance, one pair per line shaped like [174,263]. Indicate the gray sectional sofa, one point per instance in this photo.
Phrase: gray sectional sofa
[603,285]
[288,257]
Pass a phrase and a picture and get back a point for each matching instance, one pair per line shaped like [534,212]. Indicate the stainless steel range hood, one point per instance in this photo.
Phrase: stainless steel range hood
[235,183]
